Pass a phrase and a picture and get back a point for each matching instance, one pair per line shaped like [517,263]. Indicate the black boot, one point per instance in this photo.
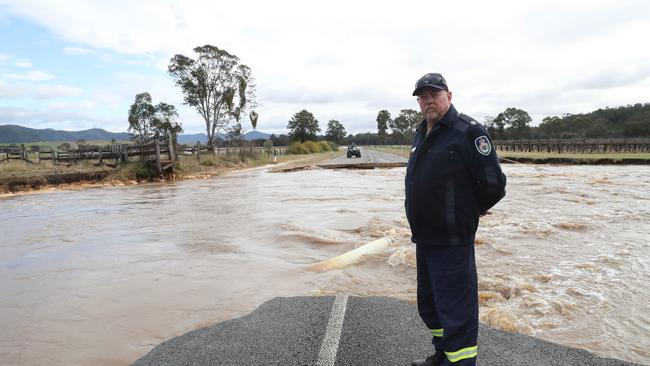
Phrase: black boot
[433,360]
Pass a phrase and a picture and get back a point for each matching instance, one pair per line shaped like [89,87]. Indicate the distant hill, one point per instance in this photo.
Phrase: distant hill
[10,134]
[18,134]
[256,135]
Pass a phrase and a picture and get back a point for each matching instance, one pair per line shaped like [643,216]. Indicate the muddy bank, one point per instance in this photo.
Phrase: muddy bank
[576,161]
[41,182]
[29,183]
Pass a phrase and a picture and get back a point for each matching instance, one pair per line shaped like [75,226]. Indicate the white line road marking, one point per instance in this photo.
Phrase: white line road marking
[327,354]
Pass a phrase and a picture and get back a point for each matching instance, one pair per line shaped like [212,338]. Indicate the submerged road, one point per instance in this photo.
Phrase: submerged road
[342,331]
[369,159]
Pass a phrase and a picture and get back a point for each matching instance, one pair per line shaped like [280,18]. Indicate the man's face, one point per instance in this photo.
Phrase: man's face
[434,103]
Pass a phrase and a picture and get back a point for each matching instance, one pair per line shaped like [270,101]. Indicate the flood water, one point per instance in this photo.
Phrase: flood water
[102,275]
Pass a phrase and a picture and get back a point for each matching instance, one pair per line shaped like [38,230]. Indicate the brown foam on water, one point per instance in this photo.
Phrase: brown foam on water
[503,319]
[540,232]
[377,228]
[564,308]
[543,278]
[574,226]
[603,180]
[403,255]
[304,235]
[587,266]
[507,289]
[485,297]
[611,260]
[309,238]
[480,241]
[210,248]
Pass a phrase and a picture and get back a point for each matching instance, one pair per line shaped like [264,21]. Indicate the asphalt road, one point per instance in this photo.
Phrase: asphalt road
[368,159]
[342,331]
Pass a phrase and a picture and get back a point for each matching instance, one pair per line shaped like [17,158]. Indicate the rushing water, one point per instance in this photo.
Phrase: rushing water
[100,276]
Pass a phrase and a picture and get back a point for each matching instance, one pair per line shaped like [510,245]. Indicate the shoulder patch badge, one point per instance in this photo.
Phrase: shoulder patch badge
[483,145]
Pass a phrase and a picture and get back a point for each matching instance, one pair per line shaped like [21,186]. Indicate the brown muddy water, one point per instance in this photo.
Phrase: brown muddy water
[100,276]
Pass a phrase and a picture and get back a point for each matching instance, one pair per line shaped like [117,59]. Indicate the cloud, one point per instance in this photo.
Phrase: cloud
[78,51]
[34,75]
[558,21]
[78,105]
[23,63]
[546,57]
[612,78]
[38,91]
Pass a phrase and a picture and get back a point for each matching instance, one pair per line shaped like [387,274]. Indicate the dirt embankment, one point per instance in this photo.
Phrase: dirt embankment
[42,181]
[15,184]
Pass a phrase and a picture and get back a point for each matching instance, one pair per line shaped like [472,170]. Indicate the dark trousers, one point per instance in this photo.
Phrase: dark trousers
[448,300]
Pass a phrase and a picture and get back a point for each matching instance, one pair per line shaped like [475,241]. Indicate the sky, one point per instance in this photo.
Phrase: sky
[75,65]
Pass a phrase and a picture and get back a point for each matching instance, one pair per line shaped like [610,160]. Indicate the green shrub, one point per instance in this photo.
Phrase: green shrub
[312,146]
[139,170]
[207,162]
[333,146]
[145,171]
[297,148]
[324,146]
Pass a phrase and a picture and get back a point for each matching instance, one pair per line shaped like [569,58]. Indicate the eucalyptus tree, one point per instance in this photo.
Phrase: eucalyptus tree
[383,119]
[217,85]
[303,126]
[405,124]
[335,131]
[516,121]
[147,120]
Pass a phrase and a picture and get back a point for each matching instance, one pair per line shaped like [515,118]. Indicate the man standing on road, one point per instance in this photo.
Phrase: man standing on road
[453,177]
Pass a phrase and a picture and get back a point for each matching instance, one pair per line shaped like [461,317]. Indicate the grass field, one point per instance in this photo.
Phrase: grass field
[402,150]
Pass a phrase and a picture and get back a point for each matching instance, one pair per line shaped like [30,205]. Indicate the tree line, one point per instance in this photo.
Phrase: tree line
[619,122]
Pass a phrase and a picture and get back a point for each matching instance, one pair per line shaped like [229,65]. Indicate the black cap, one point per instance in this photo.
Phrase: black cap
[431,80]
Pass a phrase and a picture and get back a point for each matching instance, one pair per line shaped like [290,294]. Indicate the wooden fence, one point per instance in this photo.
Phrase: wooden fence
[578,146]
[254,152]
[161,152]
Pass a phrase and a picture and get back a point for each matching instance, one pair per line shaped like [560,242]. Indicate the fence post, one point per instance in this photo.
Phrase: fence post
[170,147]
[158,165]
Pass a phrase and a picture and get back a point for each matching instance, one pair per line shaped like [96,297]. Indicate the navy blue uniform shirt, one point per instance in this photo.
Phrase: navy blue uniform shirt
[453,176]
